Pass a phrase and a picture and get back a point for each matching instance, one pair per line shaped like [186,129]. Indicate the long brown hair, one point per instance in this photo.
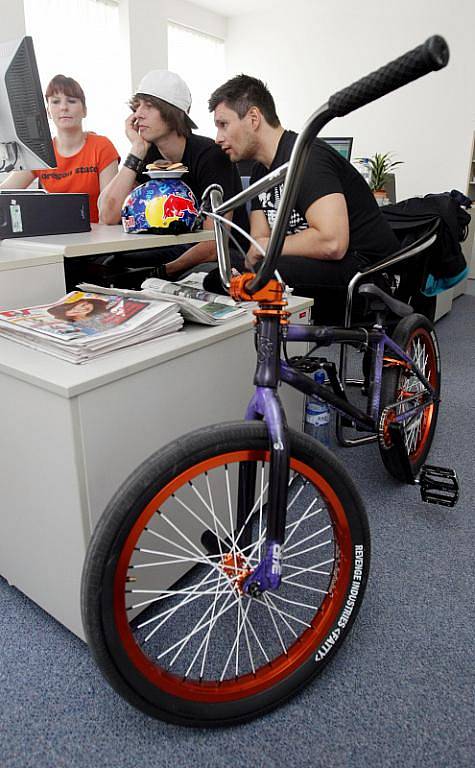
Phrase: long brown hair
[175,118]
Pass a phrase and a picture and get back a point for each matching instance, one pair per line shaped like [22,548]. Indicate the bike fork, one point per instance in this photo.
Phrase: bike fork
[266,405]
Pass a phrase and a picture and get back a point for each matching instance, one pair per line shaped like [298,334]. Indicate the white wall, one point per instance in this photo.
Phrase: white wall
[305,51]
[12,18]
[146,23]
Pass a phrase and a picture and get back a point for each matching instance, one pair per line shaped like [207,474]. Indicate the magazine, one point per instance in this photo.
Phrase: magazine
[195,304]
[84,325]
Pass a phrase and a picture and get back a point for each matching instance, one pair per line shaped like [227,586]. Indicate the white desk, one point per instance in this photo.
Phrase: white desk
[71,434]
[32,271]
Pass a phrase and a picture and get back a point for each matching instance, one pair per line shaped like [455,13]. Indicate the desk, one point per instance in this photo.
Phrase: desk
[32,268]
[71,434]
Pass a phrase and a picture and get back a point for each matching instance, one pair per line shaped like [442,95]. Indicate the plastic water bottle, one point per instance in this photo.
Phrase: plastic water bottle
[362,165]
[317,415]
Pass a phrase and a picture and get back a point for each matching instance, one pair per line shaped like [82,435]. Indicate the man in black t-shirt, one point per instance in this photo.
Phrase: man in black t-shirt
[159,127]
[335,228]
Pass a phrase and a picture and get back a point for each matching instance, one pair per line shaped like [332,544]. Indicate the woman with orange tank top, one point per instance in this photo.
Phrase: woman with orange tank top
[86,162]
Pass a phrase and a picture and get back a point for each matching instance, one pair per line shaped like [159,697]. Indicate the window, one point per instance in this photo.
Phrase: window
[81,39]
[199,59]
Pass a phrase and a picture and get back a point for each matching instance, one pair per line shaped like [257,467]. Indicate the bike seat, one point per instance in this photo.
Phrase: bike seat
[378,299]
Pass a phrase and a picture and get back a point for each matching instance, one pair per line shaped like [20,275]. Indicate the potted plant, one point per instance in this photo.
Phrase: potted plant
[380,166]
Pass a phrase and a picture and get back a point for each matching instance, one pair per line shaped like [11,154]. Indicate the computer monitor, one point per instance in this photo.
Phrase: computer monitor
[25,138]
[342,145]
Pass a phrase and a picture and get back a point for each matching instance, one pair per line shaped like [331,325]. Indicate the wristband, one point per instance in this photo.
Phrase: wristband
[161,272]
[134,163]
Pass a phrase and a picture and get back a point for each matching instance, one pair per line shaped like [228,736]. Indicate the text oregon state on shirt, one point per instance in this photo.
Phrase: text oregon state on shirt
[80,169]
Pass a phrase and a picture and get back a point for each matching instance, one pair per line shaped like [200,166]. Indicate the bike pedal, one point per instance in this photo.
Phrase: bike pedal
[439,485]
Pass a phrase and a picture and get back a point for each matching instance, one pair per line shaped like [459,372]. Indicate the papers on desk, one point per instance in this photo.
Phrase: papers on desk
[195,304]
[84,325]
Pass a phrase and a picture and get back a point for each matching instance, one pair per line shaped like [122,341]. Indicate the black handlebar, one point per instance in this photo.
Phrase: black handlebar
[428,57]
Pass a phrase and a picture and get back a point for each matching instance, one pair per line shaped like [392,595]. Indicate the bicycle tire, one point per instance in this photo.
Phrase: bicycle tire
[337,533]
[416,335]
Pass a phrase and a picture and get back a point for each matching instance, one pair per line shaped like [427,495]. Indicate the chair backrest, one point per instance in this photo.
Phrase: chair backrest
[390,187]
[409,262]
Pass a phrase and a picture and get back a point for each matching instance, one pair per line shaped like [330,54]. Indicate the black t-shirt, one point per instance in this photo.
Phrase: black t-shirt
[328,172]
[207,164]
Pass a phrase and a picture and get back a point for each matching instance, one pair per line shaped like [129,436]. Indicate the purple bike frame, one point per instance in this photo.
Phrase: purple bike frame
[265,405]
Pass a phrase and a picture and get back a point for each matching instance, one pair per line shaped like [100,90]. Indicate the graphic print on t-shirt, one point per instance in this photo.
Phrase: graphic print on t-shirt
[270,202]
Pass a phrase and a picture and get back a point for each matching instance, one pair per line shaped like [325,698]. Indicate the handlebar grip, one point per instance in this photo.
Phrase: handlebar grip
[428,57]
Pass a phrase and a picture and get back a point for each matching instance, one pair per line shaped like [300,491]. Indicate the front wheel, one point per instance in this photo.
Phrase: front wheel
[401,388]
[164,610]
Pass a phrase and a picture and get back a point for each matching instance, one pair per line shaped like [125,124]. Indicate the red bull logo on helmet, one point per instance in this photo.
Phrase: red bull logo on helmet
[161,211]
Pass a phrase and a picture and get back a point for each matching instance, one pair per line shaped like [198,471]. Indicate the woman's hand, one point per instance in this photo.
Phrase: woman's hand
[139,146]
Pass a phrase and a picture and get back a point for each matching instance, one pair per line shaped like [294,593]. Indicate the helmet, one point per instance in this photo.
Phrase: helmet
[162,206]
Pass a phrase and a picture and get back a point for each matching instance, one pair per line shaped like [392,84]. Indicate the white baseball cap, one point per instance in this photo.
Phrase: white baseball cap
[169,87]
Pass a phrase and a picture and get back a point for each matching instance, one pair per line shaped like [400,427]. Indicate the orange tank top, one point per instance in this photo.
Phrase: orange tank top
[80,172]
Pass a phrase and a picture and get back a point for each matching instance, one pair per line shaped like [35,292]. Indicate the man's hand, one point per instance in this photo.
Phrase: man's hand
[254,256]
[139,146]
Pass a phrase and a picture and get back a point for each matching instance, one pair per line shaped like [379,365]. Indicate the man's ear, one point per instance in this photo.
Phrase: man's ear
[255,117]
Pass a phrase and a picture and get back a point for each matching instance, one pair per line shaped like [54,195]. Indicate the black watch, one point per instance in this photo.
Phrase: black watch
[134,163]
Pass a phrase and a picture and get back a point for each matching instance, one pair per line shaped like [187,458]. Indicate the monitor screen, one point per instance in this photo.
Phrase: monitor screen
[342,145]
[25,138]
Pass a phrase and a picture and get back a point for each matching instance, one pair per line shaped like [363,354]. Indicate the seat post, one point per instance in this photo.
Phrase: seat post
[339,429]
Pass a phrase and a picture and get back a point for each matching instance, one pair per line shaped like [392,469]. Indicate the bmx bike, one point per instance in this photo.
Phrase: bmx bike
[228,569]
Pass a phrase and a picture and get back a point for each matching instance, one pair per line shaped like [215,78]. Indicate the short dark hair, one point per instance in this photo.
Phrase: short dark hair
[243,92]
[66,85]
[175,118]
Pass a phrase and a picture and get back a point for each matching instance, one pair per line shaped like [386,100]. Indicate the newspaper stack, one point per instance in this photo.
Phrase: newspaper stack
[195,304]
[84,325]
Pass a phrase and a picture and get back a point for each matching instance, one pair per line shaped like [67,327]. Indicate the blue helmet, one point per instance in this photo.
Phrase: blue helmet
[164,206]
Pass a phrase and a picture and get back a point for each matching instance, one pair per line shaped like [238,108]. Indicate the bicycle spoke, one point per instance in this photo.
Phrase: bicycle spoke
[269,605]
[207,638]
[189,597]
[180,532]
[311,569]
[289,627]
[175,559]
[304,586]
[204,642]
[174,543]
[258,502]
[248,645]
[230,510]
[278,596]
[195,515]
[235,645]
[215,526]
[310,549]
[307,538]
[306,515]
[289,615]
[198,627]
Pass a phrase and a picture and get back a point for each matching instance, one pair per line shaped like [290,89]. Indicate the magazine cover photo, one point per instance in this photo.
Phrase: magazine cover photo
[76,315]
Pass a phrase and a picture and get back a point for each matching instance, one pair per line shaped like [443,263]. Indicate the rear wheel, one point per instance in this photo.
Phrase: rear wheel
[400,387]
[164,610]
